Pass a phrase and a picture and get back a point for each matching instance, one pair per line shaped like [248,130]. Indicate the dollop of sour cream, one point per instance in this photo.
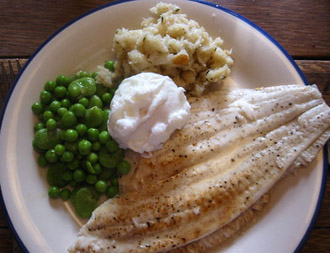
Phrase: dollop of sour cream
[145,110]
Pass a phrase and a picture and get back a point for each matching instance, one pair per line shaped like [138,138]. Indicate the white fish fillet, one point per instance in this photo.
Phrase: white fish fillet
[235,147]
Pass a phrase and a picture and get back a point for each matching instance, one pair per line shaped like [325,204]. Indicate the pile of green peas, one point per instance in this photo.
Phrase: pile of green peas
[72,140]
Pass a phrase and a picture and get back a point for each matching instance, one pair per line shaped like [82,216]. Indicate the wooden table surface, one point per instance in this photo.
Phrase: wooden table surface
[302,27]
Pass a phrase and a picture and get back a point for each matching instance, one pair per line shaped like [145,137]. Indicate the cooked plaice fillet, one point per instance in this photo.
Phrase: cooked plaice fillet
[235,147]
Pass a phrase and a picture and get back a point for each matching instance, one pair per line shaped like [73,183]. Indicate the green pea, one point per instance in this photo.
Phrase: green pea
[73,165]
[74,89]
[81,129]
[51,156]
[87,86]
[60,91]
[82,74]
[62,80]
[54,192]
[45,97]
[101,89]
[101,186]
[94,75]
[55,175]
[61,111]
[47,115]
[62,135]
[112,146]
[79,110]
[105,115]
[59,149]
[112,191]
[44,139]
[68,119]
[106,98]
[106,174]
[70,108]
[124,167]
[92,158]
[67,176]
[91,179]
[50,86]
[93,134]
[67,157]
[65,194]
[65,102]
[95,100]
[42,161]
[71,146]
[97,168]
[37,149]
[94,117]
[84,101]
[54,106]
[109,160]
[79,176]
[104,137]
[37,108]
[71,135]
[71,79]
[38,126]
[96,146]
[84,201]
[103,127]
[109,65]
[84,147]
[114,181]
[89,167]
[112,90]
[51,124]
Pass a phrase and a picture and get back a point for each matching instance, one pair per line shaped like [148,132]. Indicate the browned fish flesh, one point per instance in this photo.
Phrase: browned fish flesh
[235,147]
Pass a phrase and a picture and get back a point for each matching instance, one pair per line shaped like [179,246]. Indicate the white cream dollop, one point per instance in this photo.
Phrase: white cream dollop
[145,110]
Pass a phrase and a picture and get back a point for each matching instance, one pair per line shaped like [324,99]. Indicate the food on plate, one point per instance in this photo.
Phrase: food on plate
[145,110]
[203,182]
[171,44]
[216,123]
[72,140]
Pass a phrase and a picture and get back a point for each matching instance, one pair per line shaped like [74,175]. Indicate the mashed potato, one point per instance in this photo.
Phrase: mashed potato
[171,44]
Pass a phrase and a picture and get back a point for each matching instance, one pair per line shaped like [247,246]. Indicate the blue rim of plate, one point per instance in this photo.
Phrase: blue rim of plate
[247,21]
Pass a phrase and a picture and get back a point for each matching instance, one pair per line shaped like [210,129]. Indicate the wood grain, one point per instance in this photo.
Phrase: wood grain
[24,25]
[6,241]
[318,72]
[318,242]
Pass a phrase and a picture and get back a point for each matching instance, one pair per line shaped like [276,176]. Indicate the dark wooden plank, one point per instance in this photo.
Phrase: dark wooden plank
[301,26]
[7,77]
[323,219]
[26,24]
[317,72]
[3,221]
[319,241]
[6,241]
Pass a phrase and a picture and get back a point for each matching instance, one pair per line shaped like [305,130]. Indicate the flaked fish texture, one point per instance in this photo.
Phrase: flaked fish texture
[223,234]
[235,147]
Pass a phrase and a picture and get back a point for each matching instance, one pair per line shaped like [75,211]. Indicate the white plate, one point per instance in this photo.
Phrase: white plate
[42,225]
